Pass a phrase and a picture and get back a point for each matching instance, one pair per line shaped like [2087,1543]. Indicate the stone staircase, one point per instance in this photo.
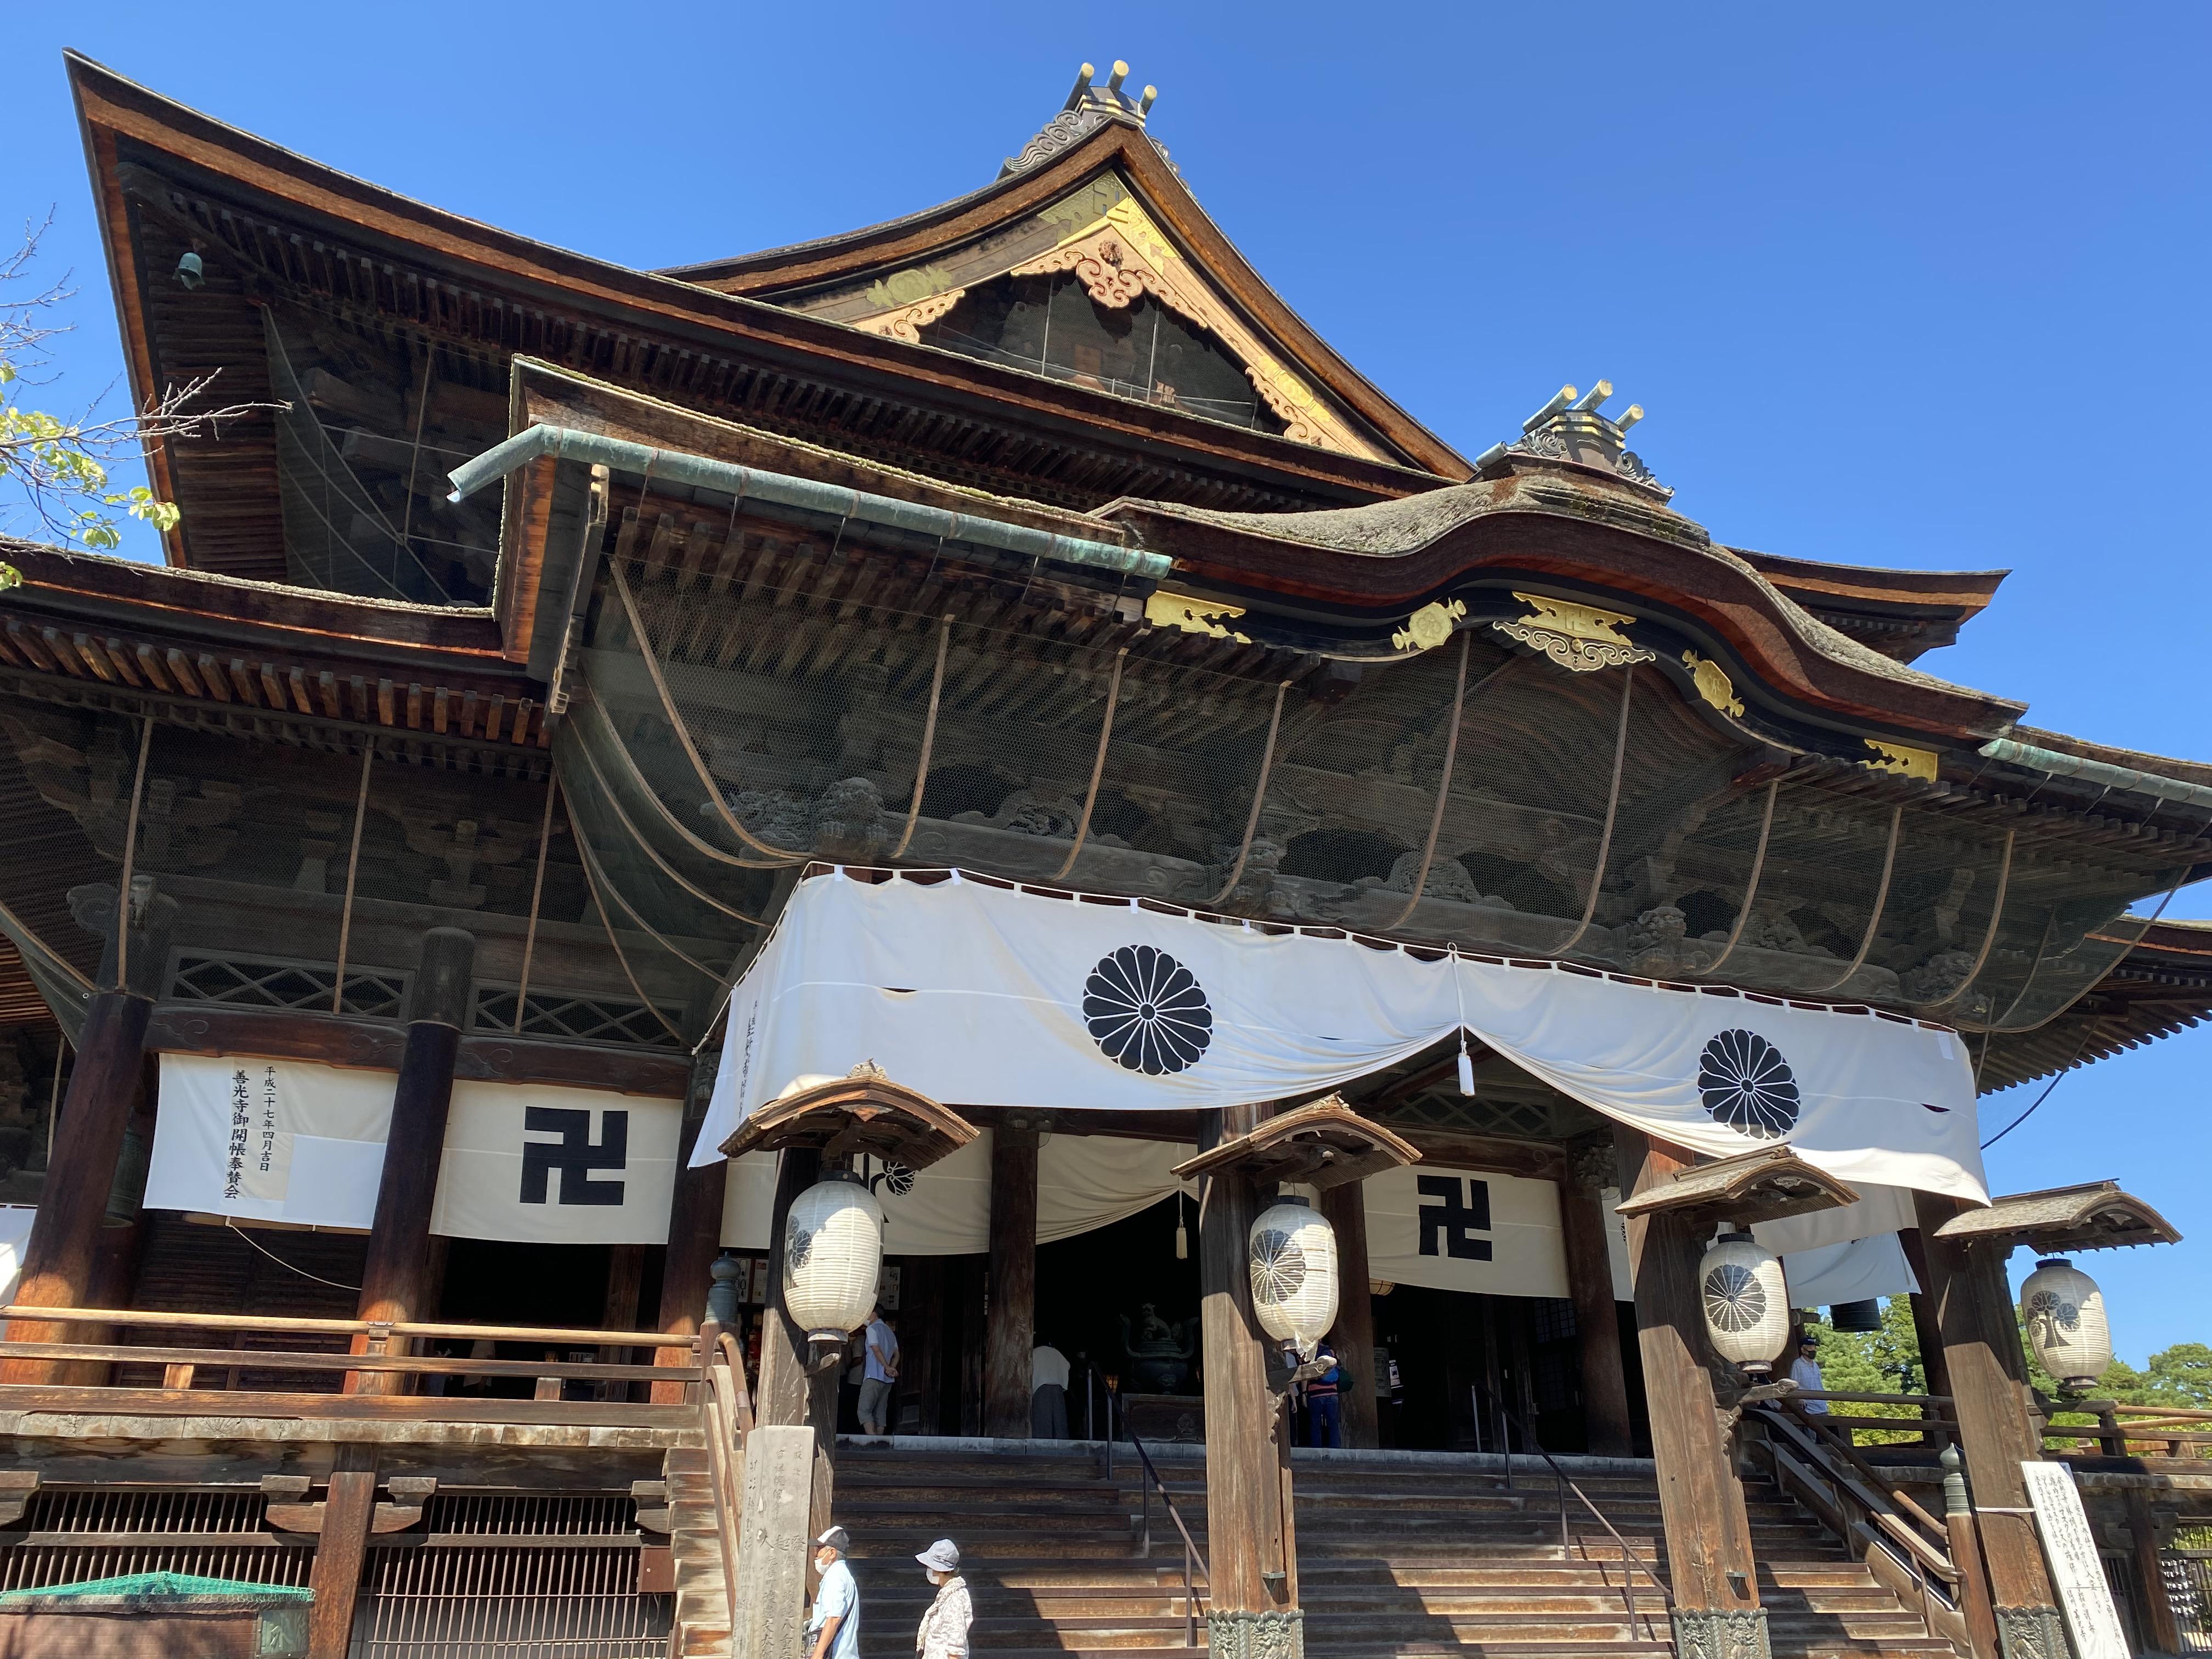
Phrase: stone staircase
[1398,1554]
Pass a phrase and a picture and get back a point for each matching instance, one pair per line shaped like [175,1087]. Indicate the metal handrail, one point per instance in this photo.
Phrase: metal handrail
[1566,1485]
[1190,1550]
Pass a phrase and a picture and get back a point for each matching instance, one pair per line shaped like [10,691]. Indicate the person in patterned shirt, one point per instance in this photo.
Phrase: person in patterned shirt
[943,1631]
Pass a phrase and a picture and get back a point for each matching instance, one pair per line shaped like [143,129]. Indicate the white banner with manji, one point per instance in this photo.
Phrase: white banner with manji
[984,995]
[1448,1230]
[292,1141]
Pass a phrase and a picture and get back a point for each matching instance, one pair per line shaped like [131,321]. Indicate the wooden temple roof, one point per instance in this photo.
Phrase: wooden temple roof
[735,339]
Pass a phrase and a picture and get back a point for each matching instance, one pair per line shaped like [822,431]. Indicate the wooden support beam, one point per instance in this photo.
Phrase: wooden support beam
[1011,1322]
[1980,1340]
[694,1239]
[1345,1208]
[341,1545]
[396,1282]
[1608,1430]
[1714,1578]
[1252,1607]
[62,1258]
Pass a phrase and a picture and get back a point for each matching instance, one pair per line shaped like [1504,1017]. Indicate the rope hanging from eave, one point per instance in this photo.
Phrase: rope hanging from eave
[1612,810]
[1751,887]
[706,849]
[1097,767]
[1258,797]
[929,738]
[2103,973]
[353,872]
[1880,901]
[537,897]
[613,803]
[621,960]
[682,731]
[129,859]
[596,874]
[1443,788]
[1989,937]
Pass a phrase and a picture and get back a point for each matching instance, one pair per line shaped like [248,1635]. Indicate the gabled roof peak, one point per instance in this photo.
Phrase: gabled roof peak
[1089,106]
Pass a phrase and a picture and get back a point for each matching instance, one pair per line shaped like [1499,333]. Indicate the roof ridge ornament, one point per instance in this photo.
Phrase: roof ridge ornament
[1570,428]
[1089,106]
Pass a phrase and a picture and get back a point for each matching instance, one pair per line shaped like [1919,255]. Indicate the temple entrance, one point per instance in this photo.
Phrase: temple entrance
[556,1286]
[1478,1373]
[1087,1286]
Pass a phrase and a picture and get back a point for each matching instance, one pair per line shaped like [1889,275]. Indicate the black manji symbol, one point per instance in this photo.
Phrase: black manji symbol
[574,1155]
[1465,1209]
[1146,1011]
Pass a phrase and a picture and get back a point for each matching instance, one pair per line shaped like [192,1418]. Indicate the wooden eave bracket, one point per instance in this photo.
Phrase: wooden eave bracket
[1759,1186]
[1324,1144]
[410,1494]
[16,1486]
[2063,1220]
[862,1114]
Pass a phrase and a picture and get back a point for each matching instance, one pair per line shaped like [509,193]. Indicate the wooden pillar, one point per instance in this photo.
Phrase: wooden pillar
[1583,1221]
[1713,1579]
[1935,1372]
[2161,1631]
[789,1395]
[348,1508]
[1254,1608]
[921,1339]
[1010,1326]
[1345,1209]
[1980,1339]
[61,1259]
[397,1283]
[694,1239]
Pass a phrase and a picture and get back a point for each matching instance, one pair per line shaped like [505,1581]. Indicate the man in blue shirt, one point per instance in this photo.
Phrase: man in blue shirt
[833,1629]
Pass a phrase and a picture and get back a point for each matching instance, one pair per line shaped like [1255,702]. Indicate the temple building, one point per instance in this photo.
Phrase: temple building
[981,756]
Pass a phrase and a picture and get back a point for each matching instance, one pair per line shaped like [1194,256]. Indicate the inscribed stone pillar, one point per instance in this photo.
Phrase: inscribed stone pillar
[1010,1324]
[1254,1610]
[1345,1209]
[1583,1222]
[1713,1579]
[397,1281]
[1980,1340]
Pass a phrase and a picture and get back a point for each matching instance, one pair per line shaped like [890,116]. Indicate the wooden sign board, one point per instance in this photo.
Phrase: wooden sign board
[2077,1571]
[773,1543]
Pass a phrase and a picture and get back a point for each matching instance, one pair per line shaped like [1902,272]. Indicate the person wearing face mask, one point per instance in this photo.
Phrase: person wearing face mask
[943,1631]
[833,1628]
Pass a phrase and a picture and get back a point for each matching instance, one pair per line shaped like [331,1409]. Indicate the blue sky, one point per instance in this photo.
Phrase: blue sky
[1920,288]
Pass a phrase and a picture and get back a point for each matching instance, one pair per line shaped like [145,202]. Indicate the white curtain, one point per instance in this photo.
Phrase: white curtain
[14,1233]
[979,994]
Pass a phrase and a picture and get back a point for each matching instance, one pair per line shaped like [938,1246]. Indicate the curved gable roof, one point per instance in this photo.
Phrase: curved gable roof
[1117,147]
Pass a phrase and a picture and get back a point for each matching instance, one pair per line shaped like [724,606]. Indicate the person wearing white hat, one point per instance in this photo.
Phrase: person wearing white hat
[833,1628]
[943,1631]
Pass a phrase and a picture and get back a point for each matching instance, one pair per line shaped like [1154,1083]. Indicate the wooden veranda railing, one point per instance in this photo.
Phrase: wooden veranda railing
[198,1377]
[2127,1431]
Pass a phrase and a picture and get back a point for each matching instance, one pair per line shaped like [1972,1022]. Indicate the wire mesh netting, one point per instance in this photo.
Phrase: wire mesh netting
[773,702]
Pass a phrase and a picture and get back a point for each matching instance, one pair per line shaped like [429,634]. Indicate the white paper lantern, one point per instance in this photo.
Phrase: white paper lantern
[1292,1252]
[2064,1313]
[1746,1304]
[833,1250]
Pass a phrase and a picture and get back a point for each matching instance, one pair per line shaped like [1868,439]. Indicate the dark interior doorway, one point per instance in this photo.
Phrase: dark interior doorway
[1087,1285]
[1480,1373]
